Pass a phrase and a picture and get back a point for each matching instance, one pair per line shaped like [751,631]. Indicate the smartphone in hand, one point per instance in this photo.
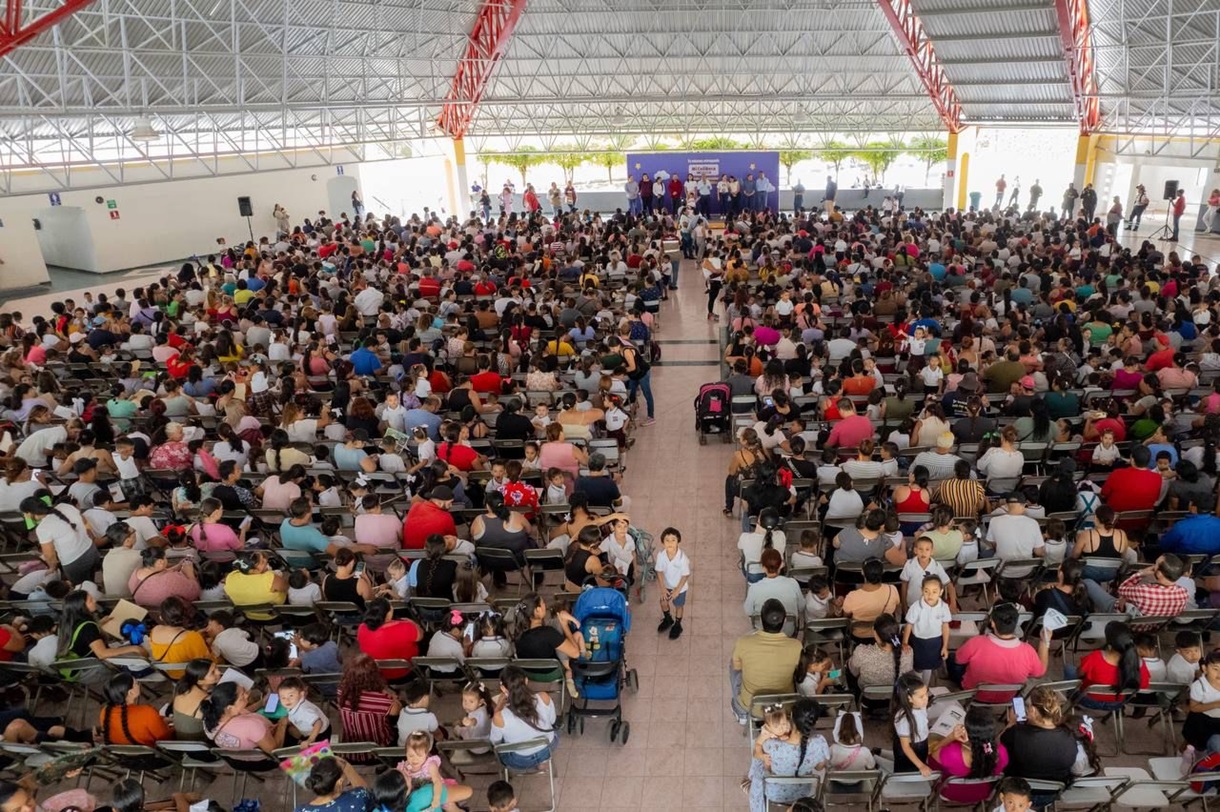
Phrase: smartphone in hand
[1018,708]
[273,703]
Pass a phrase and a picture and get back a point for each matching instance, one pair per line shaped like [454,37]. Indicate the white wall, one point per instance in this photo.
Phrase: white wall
[65,237]
[20,252]
[162,222]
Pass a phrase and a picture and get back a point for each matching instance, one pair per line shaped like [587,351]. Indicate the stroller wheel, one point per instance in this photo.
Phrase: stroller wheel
[702,438]
[581,725]
[624,733]
[614,729]
[633,681]
[571,721]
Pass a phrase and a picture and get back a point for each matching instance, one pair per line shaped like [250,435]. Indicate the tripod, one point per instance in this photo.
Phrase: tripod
[1163,233]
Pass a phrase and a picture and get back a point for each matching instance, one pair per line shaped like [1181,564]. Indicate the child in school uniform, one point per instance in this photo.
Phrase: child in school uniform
[673,571]
[927,629]
[911,725]
[921,566]
[848,751]
[415,715]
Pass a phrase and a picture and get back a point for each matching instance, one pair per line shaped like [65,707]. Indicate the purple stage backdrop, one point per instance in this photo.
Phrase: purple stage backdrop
[712,165]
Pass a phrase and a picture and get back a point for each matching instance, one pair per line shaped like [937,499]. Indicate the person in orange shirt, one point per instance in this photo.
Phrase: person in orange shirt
[124,721]
[859,384]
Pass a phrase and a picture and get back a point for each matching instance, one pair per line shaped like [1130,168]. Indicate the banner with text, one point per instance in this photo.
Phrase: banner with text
[762,165]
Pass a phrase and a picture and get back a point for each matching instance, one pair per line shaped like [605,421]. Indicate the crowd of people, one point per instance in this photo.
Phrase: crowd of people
[1006,414]
[947,411]
[311,460]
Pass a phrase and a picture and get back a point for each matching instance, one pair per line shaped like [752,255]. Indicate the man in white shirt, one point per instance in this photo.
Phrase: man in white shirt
[368,301]
[1013,534]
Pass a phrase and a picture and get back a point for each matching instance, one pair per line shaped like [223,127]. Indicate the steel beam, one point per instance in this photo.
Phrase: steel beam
[493,28]
[1077,38]
[14,32]
[917,45]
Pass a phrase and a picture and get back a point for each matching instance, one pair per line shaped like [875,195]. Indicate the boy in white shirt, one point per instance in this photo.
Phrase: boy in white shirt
[415,714]
[922,565]
[389,460]
[230,644]
[307,720]
[673,570]
[1183,666]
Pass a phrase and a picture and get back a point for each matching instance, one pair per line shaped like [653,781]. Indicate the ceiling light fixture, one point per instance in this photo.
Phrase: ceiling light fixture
[144,130]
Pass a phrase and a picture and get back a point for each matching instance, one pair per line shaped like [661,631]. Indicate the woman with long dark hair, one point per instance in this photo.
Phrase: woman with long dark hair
[64,537]
[1117,665]
[124,720]
[231,727]
[521,716]
[80,636]
[798,754]
[971,750]
[1068,595]
[196,682]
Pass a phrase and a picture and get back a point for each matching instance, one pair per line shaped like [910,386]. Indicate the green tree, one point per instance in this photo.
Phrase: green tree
[879,156]
[611,155]
[931,150]
[567,158]
[609,160]
[791,157]
[486,159]
[834,153]
[521,160]
[718,143]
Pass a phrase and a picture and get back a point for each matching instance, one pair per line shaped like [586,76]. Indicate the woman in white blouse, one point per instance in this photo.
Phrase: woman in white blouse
[521,716]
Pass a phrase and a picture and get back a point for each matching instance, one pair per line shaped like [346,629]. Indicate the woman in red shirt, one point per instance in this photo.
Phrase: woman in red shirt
[383,638]
[1118,665]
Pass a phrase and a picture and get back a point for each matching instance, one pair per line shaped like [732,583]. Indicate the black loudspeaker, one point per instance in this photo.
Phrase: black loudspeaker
[247,210]
[1171,190]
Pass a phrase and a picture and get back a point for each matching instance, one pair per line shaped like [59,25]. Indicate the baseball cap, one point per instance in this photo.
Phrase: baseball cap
[1015,498]
[1027,382]
[441,493]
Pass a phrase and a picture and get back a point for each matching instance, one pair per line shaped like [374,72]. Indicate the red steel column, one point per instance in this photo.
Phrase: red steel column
[1078,53]
[918,46]
[488,41]
[13,33]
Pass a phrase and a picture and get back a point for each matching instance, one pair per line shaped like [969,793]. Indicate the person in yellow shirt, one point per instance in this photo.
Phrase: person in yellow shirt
[171,642]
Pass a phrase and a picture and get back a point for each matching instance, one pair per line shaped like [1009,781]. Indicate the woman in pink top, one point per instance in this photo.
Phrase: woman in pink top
[970,751]
[152,583]
[210,535]
[378,529]
[280,489]
[555,453]
[231,727]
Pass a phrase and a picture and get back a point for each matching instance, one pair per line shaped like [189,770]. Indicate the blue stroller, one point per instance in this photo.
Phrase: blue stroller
[605,619]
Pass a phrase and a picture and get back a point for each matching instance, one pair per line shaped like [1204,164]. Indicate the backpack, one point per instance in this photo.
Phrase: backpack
[1210,763]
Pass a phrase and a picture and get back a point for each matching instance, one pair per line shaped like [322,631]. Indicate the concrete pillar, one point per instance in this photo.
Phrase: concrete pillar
[951,169]
[1086,157]
[464,201]
[963,180]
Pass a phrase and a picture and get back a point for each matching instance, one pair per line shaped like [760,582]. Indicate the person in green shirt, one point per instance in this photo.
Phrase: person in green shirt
[1060,401]
[120,407]
[1099,330]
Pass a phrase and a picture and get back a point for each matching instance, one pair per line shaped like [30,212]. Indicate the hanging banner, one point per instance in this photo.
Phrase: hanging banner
[762,165]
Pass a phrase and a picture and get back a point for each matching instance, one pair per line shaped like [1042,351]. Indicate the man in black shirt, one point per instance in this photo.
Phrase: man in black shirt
[599,485]
[512,425]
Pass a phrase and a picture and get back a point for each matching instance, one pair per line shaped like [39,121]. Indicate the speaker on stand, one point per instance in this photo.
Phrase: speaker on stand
[1165,233]
[246,209]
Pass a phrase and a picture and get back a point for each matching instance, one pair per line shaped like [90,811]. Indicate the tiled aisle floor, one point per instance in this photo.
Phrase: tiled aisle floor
[685,751]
